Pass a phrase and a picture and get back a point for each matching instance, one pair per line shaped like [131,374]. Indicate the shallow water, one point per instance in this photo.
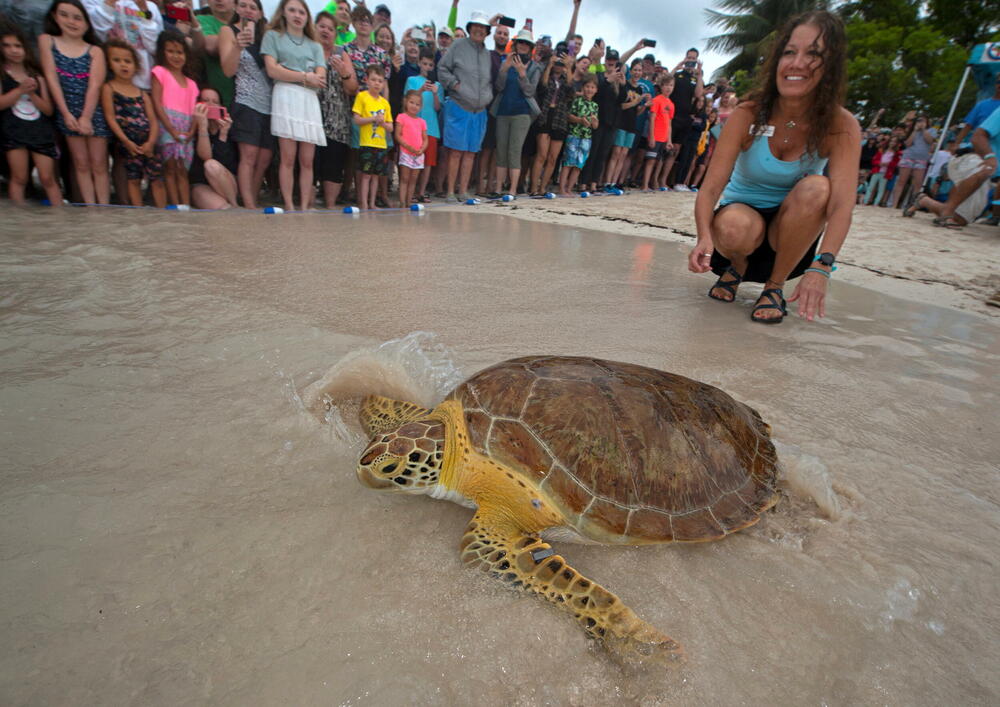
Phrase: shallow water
[177,526]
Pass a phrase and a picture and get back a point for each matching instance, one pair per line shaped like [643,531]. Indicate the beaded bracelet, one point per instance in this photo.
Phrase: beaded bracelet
[821,272]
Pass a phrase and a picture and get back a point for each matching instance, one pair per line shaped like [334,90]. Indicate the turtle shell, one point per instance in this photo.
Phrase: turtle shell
[629,454]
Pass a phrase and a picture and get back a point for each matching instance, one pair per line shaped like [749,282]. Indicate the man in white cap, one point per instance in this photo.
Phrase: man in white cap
[465,72]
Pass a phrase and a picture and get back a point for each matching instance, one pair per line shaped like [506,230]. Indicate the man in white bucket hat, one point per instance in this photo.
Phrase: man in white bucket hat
[465,73]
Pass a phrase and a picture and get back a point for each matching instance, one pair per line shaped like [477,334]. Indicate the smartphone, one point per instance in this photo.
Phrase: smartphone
[508,22]
[649,42]
[178,14]
[690,64]
[216,112]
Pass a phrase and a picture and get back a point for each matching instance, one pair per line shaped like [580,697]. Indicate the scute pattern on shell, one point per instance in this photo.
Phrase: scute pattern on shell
[629,453]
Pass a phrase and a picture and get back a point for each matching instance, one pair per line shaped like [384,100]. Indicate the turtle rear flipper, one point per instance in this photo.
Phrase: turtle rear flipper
[524,561]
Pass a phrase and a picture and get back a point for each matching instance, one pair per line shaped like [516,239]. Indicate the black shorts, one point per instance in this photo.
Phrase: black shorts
[330,161]
[545,128]
[761,261]
[251,127]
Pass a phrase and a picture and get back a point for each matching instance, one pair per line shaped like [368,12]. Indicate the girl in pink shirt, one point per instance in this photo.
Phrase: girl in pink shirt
[411,136]
[175,94]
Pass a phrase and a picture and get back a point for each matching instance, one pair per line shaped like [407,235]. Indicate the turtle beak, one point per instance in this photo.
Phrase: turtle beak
[367,478]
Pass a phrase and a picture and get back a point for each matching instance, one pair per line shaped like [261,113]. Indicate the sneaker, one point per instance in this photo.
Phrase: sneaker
[451,199]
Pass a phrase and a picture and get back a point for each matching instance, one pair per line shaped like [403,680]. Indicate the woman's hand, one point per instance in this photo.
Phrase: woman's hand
[225,123]
[312,80]
[201,114]
[519,65]
[811,295]
[700,257]
[397,61]
[336,62]
[86,127]
[147,148]
[132,148]
[244,38]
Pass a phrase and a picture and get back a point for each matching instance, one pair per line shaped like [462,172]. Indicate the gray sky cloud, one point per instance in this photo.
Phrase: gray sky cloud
[675,26]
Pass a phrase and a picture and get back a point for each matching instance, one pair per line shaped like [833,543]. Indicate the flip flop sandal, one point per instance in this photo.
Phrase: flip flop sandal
[914,206]
[727,285]
[943,222]
[775,300]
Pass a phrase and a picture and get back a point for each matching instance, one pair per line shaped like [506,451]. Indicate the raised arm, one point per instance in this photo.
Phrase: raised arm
[230,48]
[572,22]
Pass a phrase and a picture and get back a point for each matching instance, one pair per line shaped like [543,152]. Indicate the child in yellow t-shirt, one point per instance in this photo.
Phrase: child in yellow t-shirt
[372,115]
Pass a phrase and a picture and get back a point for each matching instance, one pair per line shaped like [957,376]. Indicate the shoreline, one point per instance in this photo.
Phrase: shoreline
[906,258]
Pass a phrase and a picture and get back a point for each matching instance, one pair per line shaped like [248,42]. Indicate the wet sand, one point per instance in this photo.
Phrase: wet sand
[178,528]
[907,258]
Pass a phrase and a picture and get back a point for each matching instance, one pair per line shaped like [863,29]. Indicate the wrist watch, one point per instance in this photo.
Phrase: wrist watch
[827,259]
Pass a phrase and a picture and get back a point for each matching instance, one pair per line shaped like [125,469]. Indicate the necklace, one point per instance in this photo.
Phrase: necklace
[789,125]
[299,43]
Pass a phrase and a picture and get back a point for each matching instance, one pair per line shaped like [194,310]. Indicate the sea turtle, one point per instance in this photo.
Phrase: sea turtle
[578,449]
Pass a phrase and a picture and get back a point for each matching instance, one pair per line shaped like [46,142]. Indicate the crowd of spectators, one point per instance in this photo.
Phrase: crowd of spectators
[148,102]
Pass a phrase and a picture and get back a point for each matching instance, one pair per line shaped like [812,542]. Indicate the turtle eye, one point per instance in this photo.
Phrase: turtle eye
[389,469]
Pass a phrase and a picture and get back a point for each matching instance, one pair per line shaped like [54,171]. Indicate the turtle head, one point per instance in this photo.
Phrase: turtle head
[406,448]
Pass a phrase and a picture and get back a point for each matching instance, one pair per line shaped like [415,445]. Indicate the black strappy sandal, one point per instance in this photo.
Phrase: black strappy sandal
[728,285]
[775,300]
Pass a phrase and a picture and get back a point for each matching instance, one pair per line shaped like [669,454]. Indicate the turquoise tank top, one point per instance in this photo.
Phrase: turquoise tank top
[762,180]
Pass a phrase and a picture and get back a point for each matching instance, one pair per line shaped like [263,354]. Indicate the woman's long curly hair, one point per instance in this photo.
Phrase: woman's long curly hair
[832,88]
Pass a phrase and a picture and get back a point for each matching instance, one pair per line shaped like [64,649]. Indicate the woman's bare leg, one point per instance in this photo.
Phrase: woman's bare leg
[737,231]
[795,228]
[307,192]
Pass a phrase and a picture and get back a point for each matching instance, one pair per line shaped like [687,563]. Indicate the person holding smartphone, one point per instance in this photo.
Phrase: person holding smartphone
[213,171]
[687,86]
[431,94]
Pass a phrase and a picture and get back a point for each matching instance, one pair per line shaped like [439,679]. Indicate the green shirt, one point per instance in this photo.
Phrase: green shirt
[300,54]
[225,85]
[582,108]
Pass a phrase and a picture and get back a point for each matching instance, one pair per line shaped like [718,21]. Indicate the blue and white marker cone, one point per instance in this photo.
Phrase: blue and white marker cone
[273,210]
[664,188]
[471,202]
[416,207]
[584,194]
[507,197]
[618,192]
[178,207]
[550,195]
[352,210]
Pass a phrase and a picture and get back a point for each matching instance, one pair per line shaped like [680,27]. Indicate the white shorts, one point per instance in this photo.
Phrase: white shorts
[411,161]
[960,169]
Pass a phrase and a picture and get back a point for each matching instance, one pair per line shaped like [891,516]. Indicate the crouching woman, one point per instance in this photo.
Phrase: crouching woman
[777,208]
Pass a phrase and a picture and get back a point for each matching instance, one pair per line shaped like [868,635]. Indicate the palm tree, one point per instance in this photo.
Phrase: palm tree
[750,26]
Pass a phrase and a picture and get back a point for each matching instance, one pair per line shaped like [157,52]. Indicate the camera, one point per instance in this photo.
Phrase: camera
[690,64]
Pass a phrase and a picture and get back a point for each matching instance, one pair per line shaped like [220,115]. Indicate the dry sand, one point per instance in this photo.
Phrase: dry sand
[907,258]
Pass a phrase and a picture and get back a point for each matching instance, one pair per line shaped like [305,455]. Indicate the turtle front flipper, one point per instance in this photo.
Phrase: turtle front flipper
[378,414]
[524,561]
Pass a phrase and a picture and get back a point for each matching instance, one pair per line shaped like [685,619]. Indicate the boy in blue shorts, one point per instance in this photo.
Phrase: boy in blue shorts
[582,122]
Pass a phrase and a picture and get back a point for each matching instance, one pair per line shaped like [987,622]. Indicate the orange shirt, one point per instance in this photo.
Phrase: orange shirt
[662,111]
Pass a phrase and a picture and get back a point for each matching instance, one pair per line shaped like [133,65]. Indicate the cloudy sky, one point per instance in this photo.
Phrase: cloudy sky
[675,26]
